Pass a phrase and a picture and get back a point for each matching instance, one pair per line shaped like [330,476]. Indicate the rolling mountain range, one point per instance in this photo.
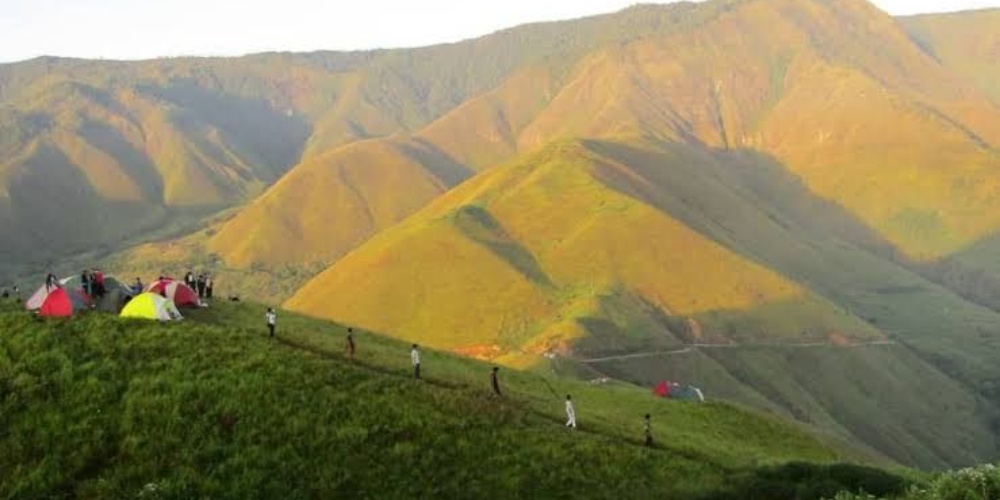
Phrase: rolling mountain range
[794,204]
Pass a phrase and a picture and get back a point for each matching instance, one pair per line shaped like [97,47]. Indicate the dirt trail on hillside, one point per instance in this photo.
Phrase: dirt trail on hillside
[692,347]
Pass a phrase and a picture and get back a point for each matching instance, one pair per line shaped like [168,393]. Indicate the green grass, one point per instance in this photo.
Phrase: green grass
[99,407]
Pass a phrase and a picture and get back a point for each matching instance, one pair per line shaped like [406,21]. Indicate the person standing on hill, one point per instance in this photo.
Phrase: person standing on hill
[188,280]
[495,382]
[200,286]
[415,359]
[350,343]
[272,318]
[648,431]
[208,286]
[85,282]
[570,413]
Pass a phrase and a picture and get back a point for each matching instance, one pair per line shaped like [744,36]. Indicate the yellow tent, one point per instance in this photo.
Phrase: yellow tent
[151,306]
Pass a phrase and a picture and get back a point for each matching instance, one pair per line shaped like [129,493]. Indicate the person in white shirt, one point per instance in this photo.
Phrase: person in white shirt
[570,412]
[272,318]
[415,358]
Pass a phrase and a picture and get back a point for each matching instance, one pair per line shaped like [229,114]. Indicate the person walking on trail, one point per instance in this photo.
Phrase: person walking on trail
[648,431]
[415,358]
[495,381]
[570,413]
[350,343]
[272,318]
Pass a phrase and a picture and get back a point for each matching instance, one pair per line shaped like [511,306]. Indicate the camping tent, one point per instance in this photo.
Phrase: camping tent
[112,300]
[56,301]
[151,306]
[181,294]
[662,389]
[114,296]
[673,390]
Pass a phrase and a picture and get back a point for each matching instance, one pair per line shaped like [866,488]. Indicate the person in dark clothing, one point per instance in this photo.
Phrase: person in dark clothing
[415,359]
[350,343]
[648,431]
[495,381]
[209,283]
[85,282]
[189,280]
[137,287]
[200,286]
[98,283]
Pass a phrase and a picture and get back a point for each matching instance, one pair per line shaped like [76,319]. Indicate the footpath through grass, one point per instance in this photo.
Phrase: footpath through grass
[98,407]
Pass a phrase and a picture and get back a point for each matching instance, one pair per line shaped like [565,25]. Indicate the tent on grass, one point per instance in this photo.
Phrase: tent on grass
[56,301]
[181,294]
[673,390]
[151,306]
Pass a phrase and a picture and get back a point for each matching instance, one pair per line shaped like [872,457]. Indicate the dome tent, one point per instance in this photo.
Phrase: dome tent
[181,294]
[57,301]
[151,306]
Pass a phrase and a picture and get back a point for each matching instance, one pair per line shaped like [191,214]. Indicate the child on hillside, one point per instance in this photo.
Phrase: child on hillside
[272,318]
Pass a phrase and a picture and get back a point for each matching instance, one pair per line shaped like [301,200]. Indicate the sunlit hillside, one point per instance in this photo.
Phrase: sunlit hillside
[790,203]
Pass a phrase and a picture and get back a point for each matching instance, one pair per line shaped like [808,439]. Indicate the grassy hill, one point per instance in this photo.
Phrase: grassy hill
[102,407]
[764,175]
[593,250]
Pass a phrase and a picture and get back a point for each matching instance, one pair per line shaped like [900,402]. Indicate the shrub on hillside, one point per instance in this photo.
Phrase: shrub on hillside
[805,481]
[974,483]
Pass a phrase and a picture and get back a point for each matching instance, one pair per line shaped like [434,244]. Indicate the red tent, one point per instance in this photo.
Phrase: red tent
[181,294]
[57,304]
[662,390]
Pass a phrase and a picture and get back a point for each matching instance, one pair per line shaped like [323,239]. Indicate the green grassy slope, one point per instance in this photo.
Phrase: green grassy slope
[99,407]
[865,393]
[518,235]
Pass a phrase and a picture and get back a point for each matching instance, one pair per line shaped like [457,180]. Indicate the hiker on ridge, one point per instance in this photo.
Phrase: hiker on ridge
[415,359]
[272,318]
[570,413]
[495,381]
[350,343]
[649,432]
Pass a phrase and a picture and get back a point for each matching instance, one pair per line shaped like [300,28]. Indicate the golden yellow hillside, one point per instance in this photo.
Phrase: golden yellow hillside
[503,260]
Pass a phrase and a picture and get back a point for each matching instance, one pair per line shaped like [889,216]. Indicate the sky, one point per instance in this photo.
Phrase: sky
[140,29]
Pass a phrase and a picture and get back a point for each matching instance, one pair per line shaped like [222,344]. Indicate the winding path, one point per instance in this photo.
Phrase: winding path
[691,347]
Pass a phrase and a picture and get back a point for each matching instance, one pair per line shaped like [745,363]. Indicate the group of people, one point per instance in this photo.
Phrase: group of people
[92,282]
[202,284]
[271,316]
